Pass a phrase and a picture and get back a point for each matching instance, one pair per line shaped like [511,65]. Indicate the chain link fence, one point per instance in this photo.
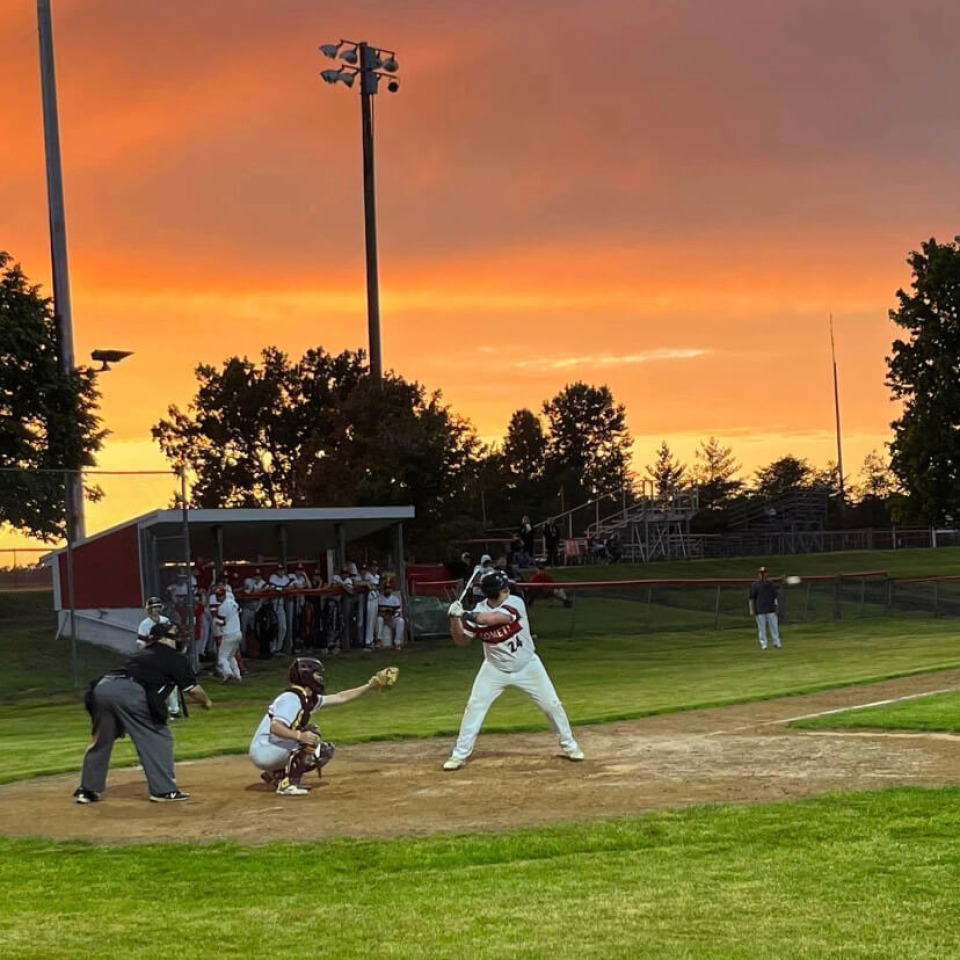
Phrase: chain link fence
[649,606]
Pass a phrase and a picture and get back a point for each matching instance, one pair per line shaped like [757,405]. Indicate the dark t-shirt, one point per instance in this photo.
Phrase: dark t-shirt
[764,596]
[160,668]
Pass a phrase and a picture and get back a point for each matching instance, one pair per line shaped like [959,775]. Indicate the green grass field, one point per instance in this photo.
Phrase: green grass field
[842,876]
[935,713]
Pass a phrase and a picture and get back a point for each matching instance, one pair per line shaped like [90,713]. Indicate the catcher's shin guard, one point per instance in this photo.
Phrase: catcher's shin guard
[306,758]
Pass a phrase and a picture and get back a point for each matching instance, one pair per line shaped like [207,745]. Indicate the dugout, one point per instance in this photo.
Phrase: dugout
[114,571]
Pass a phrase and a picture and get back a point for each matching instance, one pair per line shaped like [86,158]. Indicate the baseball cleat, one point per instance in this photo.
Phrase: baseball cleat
[82,795]
[576,754]
[454,763]
[171,797]
[288,789]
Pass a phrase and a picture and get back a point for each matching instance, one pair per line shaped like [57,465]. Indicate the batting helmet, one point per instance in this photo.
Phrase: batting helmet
[307,672]
[494,583]
[154,602]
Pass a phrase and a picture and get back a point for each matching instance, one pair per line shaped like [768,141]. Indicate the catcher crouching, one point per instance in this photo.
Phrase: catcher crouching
[287,745]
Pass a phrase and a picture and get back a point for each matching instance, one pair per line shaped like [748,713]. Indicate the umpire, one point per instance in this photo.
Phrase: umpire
[133,700]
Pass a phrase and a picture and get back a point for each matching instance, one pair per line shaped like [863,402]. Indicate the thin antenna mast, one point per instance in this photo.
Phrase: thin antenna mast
[836,409]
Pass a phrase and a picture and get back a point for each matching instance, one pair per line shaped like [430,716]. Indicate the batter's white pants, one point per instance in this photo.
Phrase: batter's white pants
[768,622]
[491,682]
[227,658]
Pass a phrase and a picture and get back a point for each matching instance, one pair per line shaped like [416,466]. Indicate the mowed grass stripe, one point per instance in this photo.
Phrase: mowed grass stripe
[870,875]
[599,680]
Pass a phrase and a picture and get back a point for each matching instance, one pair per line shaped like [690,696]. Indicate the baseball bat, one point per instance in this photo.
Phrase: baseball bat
[469,582]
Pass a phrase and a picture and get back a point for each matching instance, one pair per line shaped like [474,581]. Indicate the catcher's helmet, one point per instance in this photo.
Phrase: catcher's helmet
[493,583]
[307,672]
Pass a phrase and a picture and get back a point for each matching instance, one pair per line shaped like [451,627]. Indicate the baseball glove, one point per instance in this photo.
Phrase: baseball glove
[384,679]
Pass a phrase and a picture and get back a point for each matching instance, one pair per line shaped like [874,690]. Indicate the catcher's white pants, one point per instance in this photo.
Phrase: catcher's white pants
[490,682]
[269,756]
[768,622]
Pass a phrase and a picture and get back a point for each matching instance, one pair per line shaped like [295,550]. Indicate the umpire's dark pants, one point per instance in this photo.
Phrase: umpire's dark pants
[120,704]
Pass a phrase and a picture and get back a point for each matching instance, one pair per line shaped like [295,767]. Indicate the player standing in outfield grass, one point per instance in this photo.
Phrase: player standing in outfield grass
[510,659]
[763,607]
[133,700]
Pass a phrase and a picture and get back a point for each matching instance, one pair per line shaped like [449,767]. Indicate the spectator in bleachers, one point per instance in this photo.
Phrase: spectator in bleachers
[391,629]
[541,576]
[525,533]
[551,541]
[596,549]
[614,547]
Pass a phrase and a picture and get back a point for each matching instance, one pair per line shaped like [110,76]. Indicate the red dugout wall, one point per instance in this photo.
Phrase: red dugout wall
[106,572]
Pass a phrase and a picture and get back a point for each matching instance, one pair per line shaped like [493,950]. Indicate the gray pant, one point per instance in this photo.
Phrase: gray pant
[121,705]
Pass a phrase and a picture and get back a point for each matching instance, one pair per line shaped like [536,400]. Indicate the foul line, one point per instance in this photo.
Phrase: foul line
[827,713]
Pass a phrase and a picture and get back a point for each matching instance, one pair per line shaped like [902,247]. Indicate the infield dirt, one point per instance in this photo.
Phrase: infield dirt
[744,754]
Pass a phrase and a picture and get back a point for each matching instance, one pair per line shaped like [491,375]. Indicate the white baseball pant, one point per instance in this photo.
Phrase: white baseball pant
[490,682]
[227,657]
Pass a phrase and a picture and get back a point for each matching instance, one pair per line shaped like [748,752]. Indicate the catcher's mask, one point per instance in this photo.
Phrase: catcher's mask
[494,583]
[307,672]
[162,631]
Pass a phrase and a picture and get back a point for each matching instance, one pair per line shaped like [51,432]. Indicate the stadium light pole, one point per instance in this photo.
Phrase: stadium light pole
[63,318]
[371,65]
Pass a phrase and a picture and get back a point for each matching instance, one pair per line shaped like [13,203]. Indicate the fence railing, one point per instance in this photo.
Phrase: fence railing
[564,609]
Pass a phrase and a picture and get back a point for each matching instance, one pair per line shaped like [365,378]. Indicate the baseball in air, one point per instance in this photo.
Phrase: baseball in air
[792,581]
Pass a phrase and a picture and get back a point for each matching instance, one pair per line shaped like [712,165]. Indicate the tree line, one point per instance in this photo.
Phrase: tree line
[316,431]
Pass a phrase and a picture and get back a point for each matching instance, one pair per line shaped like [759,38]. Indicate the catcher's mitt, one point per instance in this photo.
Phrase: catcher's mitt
[384,679]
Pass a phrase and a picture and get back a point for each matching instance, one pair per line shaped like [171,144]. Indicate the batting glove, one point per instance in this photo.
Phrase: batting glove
[455,609]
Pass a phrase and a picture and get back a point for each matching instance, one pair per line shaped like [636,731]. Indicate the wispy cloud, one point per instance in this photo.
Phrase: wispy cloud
[606,360]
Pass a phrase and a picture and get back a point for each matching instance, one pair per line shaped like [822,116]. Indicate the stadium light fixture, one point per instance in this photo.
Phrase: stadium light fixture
[106,357]
[372,65]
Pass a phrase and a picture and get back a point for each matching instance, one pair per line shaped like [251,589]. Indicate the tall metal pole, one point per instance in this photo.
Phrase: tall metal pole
[836,409]
[368,87]
[58,245]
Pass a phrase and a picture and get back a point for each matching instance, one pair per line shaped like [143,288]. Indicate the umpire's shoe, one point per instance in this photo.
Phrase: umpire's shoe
[82,795]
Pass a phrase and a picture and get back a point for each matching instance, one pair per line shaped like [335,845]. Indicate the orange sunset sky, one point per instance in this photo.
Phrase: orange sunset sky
[666,196]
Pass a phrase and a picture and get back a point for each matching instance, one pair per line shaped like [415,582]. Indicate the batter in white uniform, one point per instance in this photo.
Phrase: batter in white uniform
[500,622]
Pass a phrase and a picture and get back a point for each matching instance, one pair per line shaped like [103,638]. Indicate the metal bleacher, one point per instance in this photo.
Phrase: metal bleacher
[656,526]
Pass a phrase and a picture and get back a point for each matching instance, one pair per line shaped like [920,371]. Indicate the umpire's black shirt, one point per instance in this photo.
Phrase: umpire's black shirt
[764,596]
[160,668]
